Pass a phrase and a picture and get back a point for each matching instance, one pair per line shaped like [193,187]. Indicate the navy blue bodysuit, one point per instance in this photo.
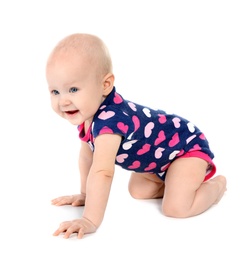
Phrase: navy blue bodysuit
[151,139]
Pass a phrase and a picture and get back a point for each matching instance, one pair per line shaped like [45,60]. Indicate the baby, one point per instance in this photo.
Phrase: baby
[170,158]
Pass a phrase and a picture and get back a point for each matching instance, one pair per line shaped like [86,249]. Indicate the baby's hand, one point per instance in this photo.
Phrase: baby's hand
[74,200]
[81,226]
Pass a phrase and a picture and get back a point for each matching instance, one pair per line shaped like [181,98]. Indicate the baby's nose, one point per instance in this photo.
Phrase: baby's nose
[64,101]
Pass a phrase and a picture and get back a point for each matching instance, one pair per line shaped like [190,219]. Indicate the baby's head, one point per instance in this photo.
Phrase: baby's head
[89,48]
[79,76]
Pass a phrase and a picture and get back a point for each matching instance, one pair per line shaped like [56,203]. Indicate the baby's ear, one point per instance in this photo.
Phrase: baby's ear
[108,83]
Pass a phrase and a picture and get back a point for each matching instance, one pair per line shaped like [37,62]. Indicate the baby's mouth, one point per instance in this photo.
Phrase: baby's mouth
[71,112]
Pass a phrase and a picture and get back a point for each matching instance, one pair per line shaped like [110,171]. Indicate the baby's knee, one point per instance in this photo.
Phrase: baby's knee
[174,211]
[145,189]
[134,190]
[135,186]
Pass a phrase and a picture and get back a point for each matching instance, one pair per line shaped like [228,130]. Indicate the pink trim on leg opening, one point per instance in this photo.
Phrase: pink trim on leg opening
[211,170]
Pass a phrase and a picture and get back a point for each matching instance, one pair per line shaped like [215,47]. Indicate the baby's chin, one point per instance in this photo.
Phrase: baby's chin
[75,122]
[73,117]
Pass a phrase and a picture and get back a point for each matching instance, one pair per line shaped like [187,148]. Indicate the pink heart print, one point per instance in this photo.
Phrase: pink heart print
[106,130]
[175,140]
[121,158]
[106,115]
[134,165]
[162,118]
[121,126]
[158,152]
[136,123]
[176,122]
[128,145]
[161,137]
[132,106]
[202,136]
[196,147]
[145,148]
[151,166]
[148,129]
[117,99]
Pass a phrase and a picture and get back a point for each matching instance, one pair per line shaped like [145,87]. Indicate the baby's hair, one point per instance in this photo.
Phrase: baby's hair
[89,46]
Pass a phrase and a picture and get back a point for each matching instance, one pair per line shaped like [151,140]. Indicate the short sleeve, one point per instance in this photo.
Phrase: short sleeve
[112,121]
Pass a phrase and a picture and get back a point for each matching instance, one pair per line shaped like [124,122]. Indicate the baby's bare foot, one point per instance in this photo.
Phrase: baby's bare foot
[222,182]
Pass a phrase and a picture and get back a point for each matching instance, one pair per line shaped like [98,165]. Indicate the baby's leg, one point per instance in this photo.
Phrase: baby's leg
[145,186]
[185,193]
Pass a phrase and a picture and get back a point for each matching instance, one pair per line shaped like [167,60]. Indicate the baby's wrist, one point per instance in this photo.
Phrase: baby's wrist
[89,225]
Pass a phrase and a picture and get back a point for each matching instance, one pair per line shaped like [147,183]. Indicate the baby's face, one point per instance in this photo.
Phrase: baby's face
[75,91]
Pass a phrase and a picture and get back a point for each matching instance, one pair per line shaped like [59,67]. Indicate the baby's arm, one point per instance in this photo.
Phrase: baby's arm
[85,162]
[97,187]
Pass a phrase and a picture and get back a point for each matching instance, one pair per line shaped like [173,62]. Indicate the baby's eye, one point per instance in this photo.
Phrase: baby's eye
[73,90]
[54,92]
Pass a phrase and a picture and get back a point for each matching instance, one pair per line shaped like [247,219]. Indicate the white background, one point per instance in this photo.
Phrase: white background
[191,58]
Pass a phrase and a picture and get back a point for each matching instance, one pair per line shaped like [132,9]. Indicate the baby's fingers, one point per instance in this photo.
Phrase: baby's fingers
[69,228]
[62,228]
[74,229]
[64,200]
